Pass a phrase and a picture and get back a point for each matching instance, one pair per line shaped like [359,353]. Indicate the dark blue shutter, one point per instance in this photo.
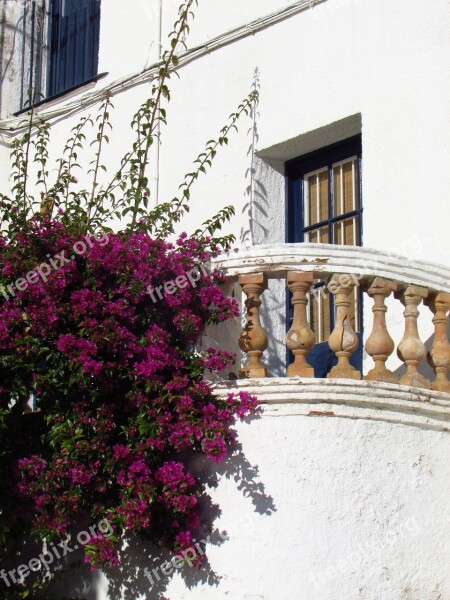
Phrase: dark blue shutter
[74,43]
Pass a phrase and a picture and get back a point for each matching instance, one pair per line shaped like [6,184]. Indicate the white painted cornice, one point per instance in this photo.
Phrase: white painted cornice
[325,259]
[346,398]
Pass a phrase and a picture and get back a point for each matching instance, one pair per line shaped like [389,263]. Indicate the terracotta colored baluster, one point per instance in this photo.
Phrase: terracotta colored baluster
[439,355]
[343,340]
[253,340]
[411,349]
[379,344]
[300,338]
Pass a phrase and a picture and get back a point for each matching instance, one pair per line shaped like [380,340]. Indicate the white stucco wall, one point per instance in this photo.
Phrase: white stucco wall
[338,492]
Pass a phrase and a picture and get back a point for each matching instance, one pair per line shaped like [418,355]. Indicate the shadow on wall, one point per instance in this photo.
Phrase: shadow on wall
[255,196]
[273,320]
[256,215]
[225,336]
[130,582]
[256,212]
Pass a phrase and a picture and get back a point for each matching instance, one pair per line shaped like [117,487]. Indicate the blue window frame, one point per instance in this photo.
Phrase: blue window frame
[298,230]
[74,29]
[324,205]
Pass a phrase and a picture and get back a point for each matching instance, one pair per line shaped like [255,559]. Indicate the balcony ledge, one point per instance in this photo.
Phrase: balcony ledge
[346,398]
[276,260]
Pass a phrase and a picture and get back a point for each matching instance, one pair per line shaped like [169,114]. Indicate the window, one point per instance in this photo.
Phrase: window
[331,204]
[73,43]
[59,47]
[324,206]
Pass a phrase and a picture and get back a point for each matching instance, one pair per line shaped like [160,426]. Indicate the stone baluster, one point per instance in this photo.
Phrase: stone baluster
[439,355]
[253,341]
[343,340]
[411,350]
[379,344]
[300,338]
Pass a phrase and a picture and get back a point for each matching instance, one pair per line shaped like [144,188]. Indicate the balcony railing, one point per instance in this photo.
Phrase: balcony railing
[380,275]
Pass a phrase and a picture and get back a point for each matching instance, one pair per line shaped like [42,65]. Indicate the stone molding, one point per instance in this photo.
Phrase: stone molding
[346,398]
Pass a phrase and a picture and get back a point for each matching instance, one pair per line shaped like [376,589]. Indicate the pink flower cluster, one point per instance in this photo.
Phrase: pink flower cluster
[100,551]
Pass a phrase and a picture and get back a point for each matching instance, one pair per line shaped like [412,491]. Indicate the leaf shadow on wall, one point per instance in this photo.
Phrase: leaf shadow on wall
[255,192]
[257,217]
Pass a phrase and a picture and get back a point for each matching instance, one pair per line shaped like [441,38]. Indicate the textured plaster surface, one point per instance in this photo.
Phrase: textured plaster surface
[327,505]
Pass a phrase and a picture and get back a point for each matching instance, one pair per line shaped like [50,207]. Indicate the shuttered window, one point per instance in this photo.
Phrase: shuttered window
[73,43]
[60,45]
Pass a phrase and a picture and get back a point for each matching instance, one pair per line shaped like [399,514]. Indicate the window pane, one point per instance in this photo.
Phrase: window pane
[318,236]
[316,186]
[323,184]
[349,175]
[345,176]
[312,200]
[346,232]
[319,313]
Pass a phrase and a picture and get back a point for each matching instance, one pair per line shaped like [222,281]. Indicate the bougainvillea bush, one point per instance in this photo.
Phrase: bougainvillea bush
[113,368]
[118,381]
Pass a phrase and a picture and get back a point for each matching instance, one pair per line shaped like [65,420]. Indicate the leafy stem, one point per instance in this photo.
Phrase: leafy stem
[170,62]
[101,137]
[27,152]
[171,212]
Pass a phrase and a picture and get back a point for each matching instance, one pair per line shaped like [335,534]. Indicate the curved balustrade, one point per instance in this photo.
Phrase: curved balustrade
[343,267]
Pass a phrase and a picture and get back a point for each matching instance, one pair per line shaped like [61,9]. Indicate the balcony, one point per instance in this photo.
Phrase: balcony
[417,293]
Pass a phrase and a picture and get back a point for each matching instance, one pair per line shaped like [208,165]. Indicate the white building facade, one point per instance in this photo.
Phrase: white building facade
[341,170]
